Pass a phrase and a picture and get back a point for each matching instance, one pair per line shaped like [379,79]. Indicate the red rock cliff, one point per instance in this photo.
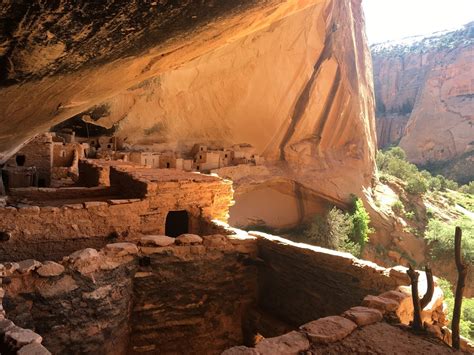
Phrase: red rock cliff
[425,100]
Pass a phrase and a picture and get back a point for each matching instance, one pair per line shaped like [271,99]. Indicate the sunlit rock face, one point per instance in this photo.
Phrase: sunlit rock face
[291,78]
[425,100]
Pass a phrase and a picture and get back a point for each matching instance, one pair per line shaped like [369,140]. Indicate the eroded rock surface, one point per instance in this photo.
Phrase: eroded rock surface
[425,100]
[293,79]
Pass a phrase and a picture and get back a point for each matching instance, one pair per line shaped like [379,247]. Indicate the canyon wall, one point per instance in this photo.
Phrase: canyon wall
[425,100]
[291,78]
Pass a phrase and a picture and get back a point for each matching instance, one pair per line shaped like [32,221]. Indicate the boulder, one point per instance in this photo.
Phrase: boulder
[381,303]
[291,343]
[121,249]
[397,296]
[17,337]
[83,254]
[50,268]
[57,288]
[329,329]
[156,240]
[86,260]
[188,239]
[363,315]
[33,349]
[8,268]
[26,266]
[5,325]
[216,241]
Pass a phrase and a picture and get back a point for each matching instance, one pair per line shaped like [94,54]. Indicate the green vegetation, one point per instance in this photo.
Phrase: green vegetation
[466,325]
[440,236]
[340,230]
[398,207]
[467,189]
[360,220]
[393,162]
[329,231]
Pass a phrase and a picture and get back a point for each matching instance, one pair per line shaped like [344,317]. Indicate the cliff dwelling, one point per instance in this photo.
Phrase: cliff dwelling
[141,143]
[143,261]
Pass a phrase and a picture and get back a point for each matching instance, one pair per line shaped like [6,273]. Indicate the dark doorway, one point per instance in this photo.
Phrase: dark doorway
[20,160]
[177,223]
[41,182]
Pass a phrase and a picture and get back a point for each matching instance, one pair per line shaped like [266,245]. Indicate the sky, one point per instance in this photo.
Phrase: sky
[395,19]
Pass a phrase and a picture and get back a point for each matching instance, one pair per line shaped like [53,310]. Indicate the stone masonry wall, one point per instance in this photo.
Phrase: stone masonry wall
[53,232]
[49,193]
[299,283]
[192,294]
[92,174]
[193,299]
[188,297]
[38,153]
[49,233]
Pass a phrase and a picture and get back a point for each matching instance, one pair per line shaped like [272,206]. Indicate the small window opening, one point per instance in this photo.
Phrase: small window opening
[20,160]
[4,236]
[167,165]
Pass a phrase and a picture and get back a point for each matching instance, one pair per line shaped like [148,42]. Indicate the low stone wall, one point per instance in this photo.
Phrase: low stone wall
[92,174]
[299,283]
[63,193]
[196,295]
[188,297]
[52,232]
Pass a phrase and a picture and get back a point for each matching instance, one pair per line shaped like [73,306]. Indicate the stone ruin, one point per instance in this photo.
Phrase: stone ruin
[141,260]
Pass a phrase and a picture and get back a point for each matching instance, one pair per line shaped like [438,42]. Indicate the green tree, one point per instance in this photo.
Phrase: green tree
[331,230]
[360,221]
[440,236]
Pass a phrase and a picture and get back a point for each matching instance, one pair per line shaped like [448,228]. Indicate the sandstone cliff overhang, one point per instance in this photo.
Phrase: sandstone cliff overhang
[292,78]
[60,58]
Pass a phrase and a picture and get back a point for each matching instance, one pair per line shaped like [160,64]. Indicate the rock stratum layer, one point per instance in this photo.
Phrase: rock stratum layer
[291,78]
[425,100]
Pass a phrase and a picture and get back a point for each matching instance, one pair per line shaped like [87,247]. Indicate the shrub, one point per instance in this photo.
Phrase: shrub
[340,230]
[452,185]
[467,189]
[466,325]
[393,162]
[435,183]
[360,221]
[410,215]
[398,207]
[416,184]
[440,236]
[330,231]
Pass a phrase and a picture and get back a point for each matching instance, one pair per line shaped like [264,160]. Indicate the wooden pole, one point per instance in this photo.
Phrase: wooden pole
[462,273]
[416,324]
[429,288]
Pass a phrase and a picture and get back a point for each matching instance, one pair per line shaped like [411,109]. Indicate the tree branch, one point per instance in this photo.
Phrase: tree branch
[416,324]
[462,273]
[429,288]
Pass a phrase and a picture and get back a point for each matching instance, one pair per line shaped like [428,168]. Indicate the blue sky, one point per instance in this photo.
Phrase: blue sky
[395,19]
